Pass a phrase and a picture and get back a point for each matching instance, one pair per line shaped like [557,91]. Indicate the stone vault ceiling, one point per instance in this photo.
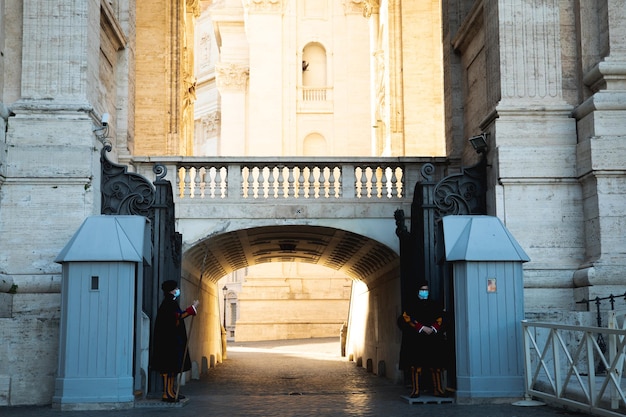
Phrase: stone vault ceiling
[357,256]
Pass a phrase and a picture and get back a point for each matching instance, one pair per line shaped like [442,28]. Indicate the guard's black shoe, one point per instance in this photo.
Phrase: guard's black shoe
[169,400]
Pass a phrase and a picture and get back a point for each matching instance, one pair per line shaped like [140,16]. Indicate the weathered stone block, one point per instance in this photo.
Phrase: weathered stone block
[6,305]
[46,306]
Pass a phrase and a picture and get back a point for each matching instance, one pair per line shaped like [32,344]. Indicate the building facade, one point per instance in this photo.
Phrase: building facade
[544,80]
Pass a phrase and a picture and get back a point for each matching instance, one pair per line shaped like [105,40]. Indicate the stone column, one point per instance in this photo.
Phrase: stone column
[232,80]
[266,101]
[532,144]
[350,61]
[231,76]
[601,150]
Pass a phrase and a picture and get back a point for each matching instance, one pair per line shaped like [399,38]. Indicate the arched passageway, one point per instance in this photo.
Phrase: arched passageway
[374,301]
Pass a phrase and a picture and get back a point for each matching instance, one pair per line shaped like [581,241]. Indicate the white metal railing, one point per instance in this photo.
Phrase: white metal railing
[571,366]
[231,178]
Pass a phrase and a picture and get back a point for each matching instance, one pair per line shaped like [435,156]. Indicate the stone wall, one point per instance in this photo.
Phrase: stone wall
[553,178]
[164,77]
[62,76]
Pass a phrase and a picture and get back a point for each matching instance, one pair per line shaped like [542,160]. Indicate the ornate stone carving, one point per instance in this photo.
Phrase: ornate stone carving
[231,76]
[354,6]
[205,49]
[211,123]
[370,7]
[264,6]
[366,7]
[193,6]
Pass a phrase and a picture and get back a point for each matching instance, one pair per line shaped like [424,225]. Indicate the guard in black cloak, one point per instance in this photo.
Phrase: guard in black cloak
[170,339]
[423,341]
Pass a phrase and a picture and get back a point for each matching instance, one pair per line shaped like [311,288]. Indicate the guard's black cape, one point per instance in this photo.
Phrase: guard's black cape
[419,349]
[170,339]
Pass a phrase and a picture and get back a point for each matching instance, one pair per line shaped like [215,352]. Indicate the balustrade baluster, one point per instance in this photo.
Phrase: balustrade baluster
[203,185]
[366,186]
[263,182]
[281,181]
[195,191]
[339,181]
[316,183]
[179,185]
[300,193]
[324,191]
[376,190]
[310,183]
[255,182]
[336,185]
[209,182]
[291,192]
[396,181]
[248,192]
[221,179]
[272,191]
[187,182]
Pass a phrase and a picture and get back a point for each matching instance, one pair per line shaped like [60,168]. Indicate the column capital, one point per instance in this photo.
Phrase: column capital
[368,7]
[231,76]
[264,6]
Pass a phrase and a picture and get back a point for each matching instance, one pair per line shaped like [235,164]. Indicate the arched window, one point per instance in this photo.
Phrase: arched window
[314,72]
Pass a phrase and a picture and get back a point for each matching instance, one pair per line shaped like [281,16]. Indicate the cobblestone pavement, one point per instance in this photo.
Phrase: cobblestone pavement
[293,378]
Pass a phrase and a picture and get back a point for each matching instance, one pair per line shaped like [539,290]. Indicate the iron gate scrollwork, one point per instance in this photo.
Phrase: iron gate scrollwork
[462,193]
[123,192]
[455,194]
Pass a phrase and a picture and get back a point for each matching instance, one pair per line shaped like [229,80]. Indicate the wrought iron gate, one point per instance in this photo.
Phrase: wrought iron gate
[128,193]
[422,253]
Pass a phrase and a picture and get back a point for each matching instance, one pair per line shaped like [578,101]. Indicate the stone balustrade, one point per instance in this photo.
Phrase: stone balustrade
[289,178]
[316,93]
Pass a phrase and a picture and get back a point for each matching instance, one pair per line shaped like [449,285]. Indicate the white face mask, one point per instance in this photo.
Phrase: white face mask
[176,293]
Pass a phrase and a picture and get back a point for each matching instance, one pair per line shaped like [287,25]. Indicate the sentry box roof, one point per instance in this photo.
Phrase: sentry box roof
[109,238]
[480,238]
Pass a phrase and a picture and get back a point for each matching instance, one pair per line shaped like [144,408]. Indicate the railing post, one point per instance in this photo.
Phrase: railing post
[556,357]
[234,178]
[592,368]
[410,179]
[347,179]
[616,357]
[527,362]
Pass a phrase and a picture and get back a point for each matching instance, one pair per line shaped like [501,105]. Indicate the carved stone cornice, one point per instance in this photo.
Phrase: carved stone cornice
[365,7]
[265,6]
[230,76]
